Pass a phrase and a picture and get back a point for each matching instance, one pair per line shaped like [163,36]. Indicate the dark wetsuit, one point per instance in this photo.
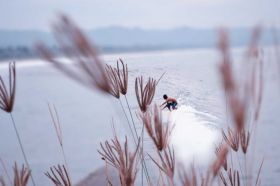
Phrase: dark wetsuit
[171,103]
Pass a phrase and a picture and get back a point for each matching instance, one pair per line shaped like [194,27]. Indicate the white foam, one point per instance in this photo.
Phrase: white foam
[192,137]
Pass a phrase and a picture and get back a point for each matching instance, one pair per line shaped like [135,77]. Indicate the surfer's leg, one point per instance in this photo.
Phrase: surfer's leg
[174,106]
[168,105]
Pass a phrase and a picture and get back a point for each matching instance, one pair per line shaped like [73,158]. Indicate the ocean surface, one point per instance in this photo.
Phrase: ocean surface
[87,116]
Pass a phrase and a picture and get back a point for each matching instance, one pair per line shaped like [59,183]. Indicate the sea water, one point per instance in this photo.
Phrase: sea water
[87,116]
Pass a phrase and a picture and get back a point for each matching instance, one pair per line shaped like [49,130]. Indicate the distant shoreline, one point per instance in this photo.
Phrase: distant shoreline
[32,54]
[15,45]
[105,51]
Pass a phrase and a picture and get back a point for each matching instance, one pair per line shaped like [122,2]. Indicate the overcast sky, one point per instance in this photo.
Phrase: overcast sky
[148,14]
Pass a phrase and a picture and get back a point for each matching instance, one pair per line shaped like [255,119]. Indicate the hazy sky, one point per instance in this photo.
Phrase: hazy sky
[149,14]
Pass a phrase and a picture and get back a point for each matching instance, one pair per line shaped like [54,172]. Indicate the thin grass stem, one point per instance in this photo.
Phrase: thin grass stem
[160,78]
[142,151]
[246,172]
[132,133]
[57,127]
[6,171]
[240,167]
[143,162]
[21,147]
[131,116]
[66,164]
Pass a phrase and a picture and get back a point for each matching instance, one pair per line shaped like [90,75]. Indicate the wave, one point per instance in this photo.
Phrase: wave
[194,136]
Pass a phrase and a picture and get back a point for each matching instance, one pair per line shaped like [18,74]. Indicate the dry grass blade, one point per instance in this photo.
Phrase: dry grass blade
[248,92]
[160,77]
[59,176]
[188,179]
[2,181]
[5,171]
[276,47]
[21,176]
[109,183]
[253,45]
[77,48]
[113,80]
[223,179]
[233,178]
[118,78]
[156,129]
[56,123]
[231,138]
[217,152]
[258,180]
[255,75]
[121,158]
[237,103]
[7,96]
[7,99]
[167,162]
[244,140]
[122,76]
[144,94]
[57,126]
[259,92]
[220,160]
[244,94]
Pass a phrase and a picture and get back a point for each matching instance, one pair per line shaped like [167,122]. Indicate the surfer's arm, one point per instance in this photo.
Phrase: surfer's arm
[163,103]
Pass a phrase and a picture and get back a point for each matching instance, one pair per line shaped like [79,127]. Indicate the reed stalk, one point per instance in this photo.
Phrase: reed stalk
[21,147]
[21,176]
[126,117]
[57,127]
[6,171]
[59,176]
[130,113]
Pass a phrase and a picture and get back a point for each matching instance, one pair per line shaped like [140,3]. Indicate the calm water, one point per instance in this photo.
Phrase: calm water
[86,116]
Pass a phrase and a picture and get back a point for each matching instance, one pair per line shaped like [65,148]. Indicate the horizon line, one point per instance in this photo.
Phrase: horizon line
[140,28]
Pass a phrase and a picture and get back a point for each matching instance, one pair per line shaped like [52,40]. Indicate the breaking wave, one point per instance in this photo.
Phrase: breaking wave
[194,136]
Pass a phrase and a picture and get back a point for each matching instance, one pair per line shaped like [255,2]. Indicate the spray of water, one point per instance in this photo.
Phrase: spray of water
[193,137]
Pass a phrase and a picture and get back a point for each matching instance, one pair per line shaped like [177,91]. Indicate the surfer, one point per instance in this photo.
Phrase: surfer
[169,103]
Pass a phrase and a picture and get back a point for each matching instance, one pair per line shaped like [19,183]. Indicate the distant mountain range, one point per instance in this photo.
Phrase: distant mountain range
[112,39]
